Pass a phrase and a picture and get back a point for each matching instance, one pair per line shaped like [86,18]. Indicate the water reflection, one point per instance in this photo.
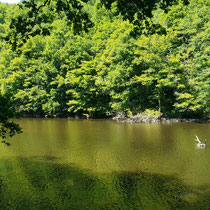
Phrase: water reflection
[102,164]
[34,184]
[107,146]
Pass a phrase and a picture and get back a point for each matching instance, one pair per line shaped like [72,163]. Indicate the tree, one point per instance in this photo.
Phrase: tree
[175,65]
[137,11]
[63,58]
[7,112]
[35,17]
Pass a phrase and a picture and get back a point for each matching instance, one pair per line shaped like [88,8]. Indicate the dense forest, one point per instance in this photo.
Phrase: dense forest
[100,58]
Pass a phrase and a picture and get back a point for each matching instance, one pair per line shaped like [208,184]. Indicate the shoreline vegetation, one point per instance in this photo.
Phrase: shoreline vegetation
[146,119]
[139,118]
[134,61]
[151,116]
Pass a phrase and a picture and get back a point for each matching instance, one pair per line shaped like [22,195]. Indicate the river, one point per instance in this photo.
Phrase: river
[104,164]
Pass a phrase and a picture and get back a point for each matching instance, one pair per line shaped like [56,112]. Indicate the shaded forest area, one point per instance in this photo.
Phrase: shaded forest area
[101,58]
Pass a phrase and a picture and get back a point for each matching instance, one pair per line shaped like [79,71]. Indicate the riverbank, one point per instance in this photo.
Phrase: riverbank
[148,116]
[135,119]
[152,119]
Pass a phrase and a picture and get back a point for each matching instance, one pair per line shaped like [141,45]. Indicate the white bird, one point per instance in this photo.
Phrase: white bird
[199,142]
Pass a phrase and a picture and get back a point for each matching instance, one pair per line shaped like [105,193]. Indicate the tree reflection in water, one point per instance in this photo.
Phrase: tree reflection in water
[43,184]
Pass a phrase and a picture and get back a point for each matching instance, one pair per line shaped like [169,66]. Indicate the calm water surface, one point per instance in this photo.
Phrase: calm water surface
[103,164]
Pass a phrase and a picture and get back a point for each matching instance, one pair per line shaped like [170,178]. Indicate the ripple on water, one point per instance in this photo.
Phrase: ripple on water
[114,157]
[45,185]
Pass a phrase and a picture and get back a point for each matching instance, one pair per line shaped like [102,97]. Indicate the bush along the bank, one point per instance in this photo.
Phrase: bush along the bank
[148,115]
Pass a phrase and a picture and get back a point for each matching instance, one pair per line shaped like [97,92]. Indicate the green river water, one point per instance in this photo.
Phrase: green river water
[104,164]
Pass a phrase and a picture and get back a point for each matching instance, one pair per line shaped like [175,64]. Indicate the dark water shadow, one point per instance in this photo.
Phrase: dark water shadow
[34,184]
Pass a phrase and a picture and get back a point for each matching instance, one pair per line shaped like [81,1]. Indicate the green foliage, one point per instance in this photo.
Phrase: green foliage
[77,57]
[7,128]
[173,63]
[137,11]
[35,18]
[150,113]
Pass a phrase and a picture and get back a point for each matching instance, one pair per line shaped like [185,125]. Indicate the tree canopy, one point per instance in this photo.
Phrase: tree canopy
[99,58]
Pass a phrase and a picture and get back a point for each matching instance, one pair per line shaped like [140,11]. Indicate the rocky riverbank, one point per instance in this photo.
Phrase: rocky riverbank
[145,117]
[157,119]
